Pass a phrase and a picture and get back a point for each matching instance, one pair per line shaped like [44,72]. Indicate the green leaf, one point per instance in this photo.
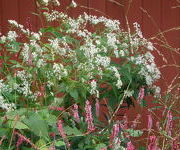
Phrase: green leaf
[99,146]
[17,125]
[134,133]
[74,93]
[59,143]
[72,131]
[42,144]
[37,125]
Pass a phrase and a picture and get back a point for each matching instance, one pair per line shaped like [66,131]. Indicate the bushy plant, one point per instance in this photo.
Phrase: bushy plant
[53,80]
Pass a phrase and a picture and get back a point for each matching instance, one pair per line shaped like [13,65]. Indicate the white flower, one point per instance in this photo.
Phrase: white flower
[93,89]
[13,22]
[6,106]
[45,2]
[150,46]
[128,93]
[119,84]
[59,71]
[103,60]
[12,35]
[111,40]
[3,39]
[73,3]
[54,43]
[138,30]
[56,2]
[36,35]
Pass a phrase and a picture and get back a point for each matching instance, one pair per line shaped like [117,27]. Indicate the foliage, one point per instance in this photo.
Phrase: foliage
[51,79]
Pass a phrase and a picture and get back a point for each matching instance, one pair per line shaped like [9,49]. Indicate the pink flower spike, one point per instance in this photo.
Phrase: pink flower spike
[103,148]
[141,94]
[135,122]
[56,108]
[169,123]
[75,113]
[89,117]
[152,144]
[62,133]
[97,108]
[25,139]
[114,139]
[130,146]
[150,122]
[19,142]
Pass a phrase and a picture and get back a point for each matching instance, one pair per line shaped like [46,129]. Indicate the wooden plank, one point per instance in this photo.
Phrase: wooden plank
[151,17]
[132,9]
[170,20]
[27,7]
[10,12]
[83,6]
[97,8]
[1,17]
[115,10]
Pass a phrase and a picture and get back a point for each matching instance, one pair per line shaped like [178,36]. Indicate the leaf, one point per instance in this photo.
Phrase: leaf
[101,145]
[37,125]
[17,125]
[72,131]
[59,143]
[134,133]
[42,144]
[74,93]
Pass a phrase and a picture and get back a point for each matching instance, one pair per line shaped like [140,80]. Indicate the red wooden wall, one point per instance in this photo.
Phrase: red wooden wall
[154,16]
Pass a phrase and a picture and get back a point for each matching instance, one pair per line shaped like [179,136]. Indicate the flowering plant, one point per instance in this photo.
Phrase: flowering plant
[60,72]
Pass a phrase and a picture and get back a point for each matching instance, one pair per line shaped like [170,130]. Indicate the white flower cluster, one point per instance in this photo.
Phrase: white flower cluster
[109,23]
[5,105]
[93,89]
[21,27]
[139,39]
[36,36]
[59,71]
[25,86]
[55,44]
[112,41]
[149,69]
[102,60]
[73,3]
[128,93]
[12,35]
[55,2]
[54,15]
[117,75]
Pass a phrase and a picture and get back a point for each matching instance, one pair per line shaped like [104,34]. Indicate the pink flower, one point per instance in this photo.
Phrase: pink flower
[175,145]
[75,113]
[130,146]
[60,129]
[56,108]
[62,133]
[152,144]
[124,125]
[141,94]
[25,139]
[150,122]
[19,142]
[103,148]
[114,139]
[89,117]
[97,108]
[134,125]
[158,125]
[169,123]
